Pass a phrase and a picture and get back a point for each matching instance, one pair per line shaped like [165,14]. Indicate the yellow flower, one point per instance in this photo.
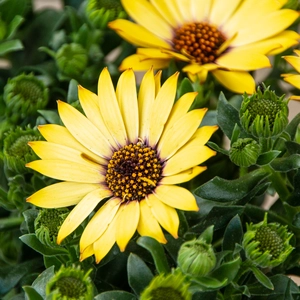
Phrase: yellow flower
[226,38]
[126,154]
[293,79]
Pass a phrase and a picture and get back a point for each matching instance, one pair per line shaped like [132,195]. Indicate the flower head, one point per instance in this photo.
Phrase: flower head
[126,156]
[226,39]
[172,286]
[264,114]
[70,283]
[267,244]
[293,79]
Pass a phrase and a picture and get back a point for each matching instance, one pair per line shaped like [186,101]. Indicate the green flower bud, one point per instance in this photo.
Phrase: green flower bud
[48,223]
[196,258]
[71,59]
[24,95]
[70,283]
[16,152]
[267,245]
[100,12]
[244,152]
[264,114]
[173,286]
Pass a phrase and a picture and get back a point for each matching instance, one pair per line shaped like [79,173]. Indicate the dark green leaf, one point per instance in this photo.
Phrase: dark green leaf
[139,275]
[10,46]
[211,295]
[31,293]
[286,164]
[29,217]
[157,252]
[40,283]
[233,234]
[292,127]
[115,295]
[72,91]
[216,147]
[51,116]
[267,157]
[185,87]
[207,234]
[222,190]
[262,278]
[173,245]
[293,147]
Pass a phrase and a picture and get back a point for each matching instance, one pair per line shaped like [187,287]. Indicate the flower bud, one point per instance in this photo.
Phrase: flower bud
[70,283]
[23,96]
[244,152]
[71,59]
[16,152]
[196,258]
[48,223]
[267,245]
[100,12]
[168,286]
[264,114]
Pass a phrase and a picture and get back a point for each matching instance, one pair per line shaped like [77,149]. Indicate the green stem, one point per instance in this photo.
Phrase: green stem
[278,183]
[10,223]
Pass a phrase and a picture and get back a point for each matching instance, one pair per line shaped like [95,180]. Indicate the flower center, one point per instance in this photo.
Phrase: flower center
[133,172]
[70,287]
[166,293]
[200,41]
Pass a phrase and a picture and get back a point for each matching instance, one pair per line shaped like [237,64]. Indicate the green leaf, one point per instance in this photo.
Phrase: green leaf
[207,234]
[173,245]
[223,190]
[72,91]
[286,164]
[262,278]
[115,295]
[31,293]
[13,26]
[10,46]
[40,283]
[51,116]
[157,252]
[292,127]
[139,275]
[29,217]
[292,147]
[216,147]
[233,234]
[207,283]
[185,87]
[32,241]
[267,157]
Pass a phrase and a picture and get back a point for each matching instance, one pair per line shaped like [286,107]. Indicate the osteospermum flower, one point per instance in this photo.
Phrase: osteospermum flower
[226,38]
[129,148]
[293,79]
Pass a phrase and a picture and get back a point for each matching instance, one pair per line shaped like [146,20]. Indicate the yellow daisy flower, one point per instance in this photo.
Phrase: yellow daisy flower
[293,79]
[126,154]
[226,38]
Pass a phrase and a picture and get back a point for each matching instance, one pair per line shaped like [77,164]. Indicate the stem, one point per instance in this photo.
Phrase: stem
[10,223]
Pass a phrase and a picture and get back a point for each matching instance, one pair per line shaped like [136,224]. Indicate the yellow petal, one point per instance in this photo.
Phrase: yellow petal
[61,135]
[81,211]
[157,79]
[177,197]
[141,63]
[153,53]
[148,225]
[196,68]
[176,55]
[146,15]
[293,80]
[146,97]
[127,223]
[164,214]
[297,98]
[106,241]
[236,81]
[243,60]
[61,194]
[68,171]
[161,109]
[83,130]
[174,137]
[127,98]
[88,251]
[90,104]
[47,150]
[294,61]
[204,133]
[99,223]
[137,35]
[110,110]
[201,10]
[184,176]
[190,155]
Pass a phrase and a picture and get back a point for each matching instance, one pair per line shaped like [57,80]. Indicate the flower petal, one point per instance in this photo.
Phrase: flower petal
[294,61]
[110,110]
[184,176]
[137,35]
[67,170]
[236,81]
[61,194]
[127,98]
[164,214]
[81,211]
[148,225]
[163,104]
[177,135]
[90,104]
[60,135]
[83,130]
[177,197]
[88,251]
[127,223]
[99,223]
[157,79]
[146,15]
[204,133]
[201,9]
[293,80]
